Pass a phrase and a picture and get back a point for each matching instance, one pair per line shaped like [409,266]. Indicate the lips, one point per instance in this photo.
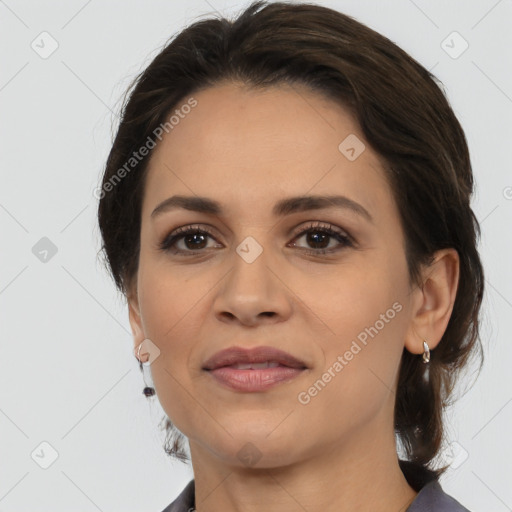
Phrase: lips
[253,370]
[256,358]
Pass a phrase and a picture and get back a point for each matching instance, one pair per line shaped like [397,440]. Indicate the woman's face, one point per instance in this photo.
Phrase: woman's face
[340,303]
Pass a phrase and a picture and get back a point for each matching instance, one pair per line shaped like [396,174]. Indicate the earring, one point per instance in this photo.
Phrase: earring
[426,352]
[148,391]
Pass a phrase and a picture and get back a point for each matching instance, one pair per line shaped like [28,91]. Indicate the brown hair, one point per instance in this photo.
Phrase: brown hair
[405,118]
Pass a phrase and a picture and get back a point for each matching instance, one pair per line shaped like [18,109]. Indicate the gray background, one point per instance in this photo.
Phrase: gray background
[67,373]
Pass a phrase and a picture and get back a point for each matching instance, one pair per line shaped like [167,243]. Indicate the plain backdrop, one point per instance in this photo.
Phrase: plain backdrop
[70,385]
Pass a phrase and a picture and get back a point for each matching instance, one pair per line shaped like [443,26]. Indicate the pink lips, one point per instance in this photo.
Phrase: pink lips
[253,370]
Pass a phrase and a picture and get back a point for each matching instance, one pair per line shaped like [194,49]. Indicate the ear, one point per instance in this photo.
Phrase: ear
[433,301]
[135,317]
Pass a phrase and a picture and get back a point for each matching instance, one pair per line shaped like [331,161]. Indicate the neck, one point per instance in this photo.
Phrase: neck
[363,474]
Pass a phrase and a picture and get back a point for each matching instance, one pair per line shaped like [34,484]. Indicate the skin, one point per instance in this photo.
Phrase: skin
[248,149]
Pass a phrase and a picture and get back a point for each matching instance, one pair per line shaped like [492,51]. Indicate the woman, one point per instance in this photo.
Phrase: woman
[286,207]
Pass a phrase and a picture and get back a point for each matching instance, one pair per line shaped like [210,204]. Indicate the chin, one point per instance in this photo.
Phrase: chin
[255,450]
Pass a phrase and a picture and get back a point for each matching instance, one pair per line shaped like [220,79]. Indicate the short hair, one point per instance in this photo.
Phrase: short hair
[405,118]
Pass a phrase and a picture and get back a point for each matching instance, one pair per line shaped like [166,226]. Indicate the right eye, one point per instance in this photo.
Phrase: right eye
[194,239]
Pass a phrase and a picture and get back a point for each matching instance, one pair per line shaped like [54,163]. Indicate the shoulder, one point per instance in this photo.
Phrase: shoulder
[433,498]
[185,502]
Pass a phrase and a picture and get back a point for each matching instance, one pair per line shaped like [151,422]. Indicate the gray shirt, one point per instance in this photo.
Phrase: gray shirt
[430,498]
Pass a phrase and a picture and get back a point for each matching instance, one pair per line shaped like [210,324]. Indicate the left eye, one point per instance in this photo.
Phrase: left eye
[319,236]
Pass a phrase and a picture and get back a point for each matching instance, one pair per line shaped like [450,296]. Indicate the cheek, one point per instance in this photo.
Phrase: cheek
[365,312]
[168,298]
[167,309]
[167,304]
[353,297]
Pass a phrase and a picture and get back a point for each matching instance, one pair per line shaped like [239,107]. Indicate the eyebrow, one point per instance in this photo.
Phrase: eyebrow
[281,208]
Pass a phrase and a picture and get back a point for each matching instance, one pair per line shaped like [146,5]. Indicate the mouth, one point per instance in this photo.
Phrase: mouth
[256,359]
[253,370]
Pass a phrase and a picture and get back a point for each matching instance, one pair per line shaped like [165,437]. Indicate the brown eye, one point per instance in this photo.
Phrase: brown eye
[194,239]
[318,237]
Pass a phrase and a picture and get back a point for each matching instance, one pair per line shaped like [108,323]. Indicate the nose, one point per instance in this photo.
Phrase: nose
[253,292]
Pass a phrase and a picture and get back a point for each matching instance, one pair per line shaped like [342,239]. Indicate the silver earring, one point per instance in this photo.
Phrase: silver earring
[148,391]
[426,352]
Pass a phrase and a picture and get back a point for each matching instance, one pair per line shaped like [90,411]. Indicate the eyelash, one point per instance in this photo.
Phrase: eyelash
[170,240]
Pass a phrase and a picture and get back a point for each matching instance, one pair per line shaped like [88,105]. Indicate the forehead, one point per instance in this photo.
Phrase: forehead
[248,148]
